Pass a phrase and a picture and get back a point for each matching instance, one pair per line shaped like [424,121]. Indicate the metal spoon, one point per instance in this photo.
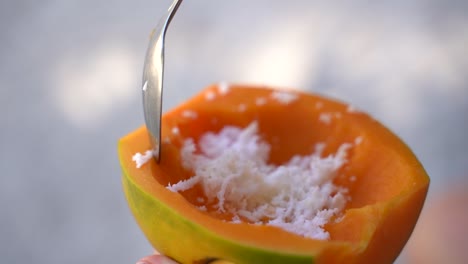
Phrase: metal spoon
[153,73]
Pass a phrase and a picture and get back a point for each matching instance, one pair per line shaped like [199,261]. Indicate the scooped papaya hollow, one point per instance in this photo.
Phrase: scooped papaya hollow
[385,182]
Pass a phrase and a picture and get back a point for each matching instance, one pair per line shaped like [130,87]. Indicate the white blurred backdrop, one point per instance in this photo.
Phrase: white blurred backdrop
[70,87]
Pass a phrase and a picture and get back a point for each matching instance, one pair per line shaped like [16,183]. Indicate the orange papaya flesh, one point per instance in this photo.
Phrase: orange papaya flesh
[387,184]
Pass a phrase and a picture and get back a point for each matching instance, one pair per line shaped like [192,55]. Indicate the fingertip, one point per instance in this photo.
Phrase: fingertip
[156,259]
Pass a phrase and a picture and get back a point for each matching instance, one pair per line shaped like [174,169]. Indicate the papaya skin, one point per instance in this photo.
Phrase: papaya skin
[386,182]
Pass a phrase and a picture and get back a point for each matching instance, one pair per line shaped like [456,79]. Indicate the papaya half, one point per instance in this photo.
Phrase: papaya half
[386,183]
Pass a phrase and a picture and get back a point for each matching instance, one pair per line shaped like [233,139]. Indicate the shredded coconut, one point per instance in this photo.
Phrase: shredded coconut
[351,109]
[232,169]
[358,140]
[318,105]
[184,185]
[202,208]
[242,108]
[325,118]
[189,114]
[210,95]
[142,159]
[236,220]
[175,131]
[284,97]
[223,88]
[260,101]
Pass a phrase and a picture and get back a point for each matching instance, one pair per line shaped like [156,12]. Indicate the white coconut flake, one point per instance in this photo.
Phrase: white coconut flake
[142,159]
[352,178]
[183,185]
[202,208]
[145,86]
[175,130]
[325,118]
[358,140]
[318,105]
[210,95]
[319,148]
[236,220]
[260,101]
[351,109]
[242,107]
[189,114]
[223,88]
[167,140]
[284,97]
[298,196]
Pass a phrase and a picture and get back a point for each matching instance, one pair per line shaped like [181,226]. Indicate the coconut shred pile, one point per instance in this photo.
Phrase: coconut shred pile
[298,196]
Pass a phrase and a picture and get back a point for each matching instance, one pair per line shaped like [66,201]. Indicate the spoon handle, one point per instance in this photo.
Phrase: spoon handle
[153,75]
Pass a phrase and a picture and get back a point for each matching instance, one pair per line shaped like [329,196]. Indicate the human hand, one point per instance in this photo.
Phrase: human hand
[156,259]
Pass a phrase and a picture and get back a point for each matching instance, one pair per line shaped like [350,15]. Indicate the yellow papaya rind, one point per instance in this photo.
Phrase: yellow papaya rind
[187,242]
[379,242]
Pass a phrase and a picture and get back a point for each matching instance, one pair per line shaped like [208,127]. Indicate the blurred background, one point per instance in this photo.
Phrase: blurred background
[70,88]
